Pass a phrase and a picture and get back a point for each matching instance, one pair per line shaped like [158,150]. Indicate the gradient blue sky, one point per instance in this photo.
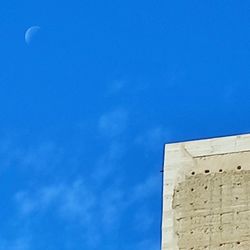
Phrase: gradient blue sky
[87,106]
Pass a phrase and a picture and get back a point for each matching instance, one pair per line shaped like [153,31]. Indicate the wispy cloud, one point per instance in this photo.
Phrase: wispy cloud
[113,202]
[20,243]
[147,188]
[113,123]
[153,138]
[72,201]
[116,87]
[43,157]
[108,163]
[96,211]
[228,93]
[147,244]
[78,202]
[99,208]
[143,220]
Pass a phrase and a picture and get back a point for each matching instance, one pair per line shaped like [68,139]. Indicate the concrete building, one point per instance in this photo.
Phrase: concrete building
[206,194]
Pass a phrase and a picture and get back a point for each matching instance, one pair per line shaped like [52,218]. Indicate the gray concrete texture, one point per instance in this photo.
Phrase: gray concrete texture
[206,194]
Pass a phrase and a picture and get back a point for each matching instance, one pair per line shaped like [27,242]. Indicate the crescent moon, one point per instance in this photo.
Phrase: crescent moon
[30,33]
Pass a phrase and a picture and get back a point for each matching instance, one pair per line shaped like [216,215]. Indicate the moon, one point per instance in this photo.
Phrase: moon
[30,33]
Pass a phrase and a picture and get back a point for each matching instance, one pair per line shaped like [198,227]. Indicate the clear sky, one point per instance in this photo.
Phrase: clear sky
[88,103]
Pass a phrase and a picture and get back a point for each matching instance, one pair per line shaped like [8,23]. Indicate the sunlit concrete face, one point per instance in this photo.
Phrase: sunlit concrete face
[206,194]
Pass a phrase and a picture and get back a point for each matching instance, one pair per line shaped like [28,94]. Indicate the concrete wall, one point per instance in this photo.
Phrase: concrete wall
[206,194]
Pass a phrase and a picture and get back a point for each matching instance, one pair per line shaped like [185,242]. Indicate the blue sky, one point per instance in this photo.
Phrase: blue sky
[88,104]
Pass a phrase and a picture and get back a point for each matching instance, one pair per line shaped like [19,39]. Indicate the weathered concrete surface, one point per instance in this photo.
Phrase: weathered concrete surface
[206,194]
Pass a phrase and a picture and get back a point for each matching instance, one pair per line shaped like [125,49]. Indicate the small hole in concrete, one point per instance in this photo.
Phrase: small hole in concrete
[192,189]
[220,170]
[238,242]
[239,167]
[207,171]
[205,187]
[193,173]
